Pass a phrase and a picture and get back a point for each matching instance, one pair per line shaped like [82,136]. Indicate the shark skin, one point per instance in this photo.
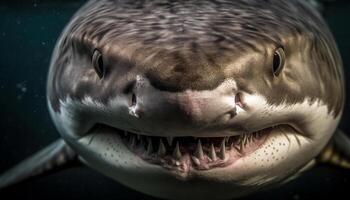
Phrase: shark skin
[176,99]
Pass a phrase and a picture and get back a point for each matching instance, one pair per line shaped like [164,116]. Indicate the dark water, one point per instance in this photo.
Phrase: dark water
[28,32]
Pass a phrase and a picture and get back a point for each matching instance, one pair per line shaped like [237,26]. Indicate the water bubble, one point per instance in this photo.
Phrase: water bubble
[22,87]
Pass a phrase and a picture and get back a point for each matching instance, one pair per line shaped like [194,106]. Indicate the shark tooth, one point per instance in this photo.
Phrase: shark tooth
[212,153]
[251,137]
[240,146]
[149,147]
[132,141]
[170,140]
[138,137]
[226,139]
[222,150]
[177,152]
[195,160]
[245,139]
[232,144]
[235,146]
[161,148]
[199,150]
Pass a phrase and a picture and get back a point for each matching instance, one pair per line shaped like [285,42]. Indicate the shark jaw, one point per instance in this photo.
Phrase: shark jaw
[183,154]
[98,136]
[285,149]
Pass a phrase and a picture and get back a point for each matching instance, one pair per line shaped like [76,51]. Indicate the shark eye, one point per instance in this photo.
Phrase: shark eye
[278,61]
[97,62]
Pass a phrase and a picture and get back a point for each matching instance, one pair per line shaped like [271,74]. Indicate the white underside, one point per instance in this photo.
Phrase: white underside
[280,157]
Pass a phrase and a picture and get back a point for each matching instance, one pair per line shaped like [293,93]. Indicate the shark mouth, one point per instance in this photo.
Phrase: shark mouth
[200,153]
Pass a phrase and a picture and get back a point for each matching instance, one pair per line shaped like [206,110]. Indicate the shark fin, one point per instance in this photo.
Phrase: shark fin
[337,152]
[52,158]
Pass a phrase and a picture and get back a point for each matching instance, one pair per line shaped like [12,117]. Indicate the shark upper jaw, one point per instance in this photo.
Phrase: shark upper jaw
[183,154]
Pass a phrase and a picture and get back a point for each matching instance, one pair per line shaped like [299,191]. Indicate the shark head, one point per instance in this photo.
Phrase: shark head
[196,99]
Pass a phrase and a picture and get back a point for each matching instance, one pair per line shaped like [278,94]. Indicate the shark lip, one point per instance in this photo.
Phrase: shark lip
[181,154]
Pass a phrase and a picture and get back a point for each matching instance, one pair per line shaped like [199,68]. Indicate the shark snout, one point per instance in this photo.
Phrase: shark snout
[205,107]
[184,111]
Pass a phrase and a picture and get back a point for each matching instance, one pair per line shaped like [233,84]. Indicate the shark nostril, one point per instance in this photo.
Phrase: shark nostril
[238,99]
[129,90]
[134,110]
[133,99]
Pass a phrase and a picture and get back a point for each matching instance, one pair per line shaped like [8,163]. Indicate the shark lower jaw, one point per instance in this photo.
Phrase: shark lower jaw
[183,154]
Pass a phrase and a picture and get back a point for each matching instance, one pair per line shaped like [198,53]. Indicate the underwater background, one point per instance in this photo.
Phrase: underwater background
[28,32]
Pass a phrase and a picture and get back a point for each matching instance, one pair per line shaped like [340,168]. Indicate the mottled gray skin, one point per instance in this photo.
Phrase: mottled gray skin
[194,39]
[170,54]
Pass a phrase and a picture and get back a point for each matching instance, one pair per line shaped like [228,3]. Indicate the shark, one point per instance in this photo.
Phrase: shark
[177,99]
